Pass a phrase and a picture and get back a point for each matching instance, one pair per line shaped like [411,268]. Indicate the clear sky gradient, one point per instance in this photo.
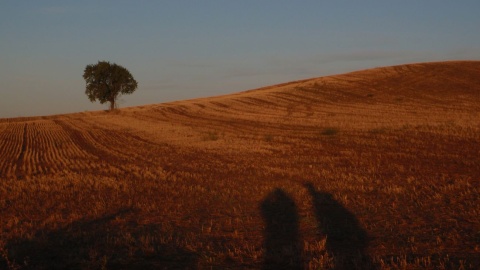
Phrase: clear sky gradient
[185,49]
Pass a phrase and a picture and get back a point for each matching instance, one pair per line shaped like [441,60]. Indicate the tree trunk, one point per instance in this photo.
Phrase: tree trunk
[112,97]
[112,104]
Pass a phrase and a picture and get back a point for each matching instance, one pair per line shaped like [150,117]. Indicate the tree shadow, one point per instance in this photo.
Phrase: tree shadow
[102,243]
[282,244]
[346,239]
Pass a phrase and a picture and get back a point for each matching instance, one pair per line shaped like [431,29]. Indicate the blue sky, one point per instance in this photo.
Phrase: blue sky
[185,49]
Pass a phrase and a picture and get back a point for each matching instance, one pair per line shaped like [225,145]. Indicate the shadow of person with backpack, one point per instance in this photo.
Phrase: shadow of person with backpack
[346,239]
[283,248]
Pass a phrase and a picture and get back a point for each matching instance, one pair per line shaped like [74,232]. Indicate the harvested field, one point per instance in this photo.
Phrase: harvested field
[375,169]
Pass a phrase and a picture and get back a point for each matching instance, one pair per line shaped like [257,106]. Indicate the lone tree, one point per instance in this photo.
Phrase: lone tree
[106,82]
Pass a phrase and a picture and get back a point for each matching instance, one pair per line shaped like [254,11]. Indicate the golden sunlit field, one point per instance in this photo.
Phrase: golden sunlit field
[376,169]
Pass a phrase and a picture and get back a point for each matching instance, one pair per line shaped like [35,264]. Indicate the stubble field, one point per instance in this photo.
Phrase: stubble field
[376,169]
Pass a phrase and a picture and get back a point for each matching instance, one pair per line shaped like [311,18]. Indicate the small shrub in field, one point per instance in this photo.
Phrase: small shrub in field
[211,136]
[268,138]
[378,130]
[329,131]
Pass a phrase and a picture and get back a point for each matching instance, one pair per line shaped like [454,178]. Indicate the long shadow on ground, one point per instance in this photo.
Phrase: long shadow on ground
[103,243]
[282,244]
[346,239]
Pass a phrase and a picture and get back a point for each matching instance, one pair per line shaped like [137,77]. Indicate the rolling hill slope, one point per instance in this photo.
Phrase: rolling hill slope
[393,151]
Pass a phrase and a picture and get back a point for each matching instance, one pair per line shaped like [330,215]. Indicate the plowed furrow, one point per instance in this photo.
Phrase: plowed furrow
[88,141]
[113,147]
[20,160]
[12,147]
[45,149]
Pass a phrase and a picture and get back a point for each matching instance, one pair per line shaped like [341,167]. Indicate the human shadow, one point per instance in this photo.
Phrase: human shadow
[283,248]
[346,239]
[108,242]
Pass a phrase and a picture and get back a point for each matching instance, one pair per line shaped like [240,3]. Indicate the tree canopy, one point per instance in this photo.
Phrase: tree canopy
[105,82]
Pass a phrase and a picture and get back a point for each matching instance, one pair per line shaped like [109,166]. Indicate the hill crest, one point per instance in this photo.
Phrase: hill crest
[430,81]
